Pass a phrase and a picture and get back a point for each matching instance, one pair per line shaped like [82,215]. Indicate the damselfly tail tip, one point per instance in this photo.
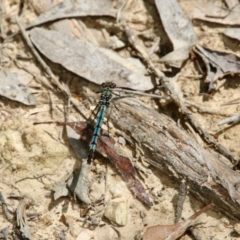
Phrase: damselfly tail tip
[90,157]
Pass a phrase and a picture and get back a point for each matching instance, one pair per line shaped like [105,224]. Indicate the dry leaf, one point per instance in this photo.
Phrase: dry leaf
[11,87]
[93,63]
[211,13]
[178,28]
[172,232]
[218,64]
[74,9]
[233,33]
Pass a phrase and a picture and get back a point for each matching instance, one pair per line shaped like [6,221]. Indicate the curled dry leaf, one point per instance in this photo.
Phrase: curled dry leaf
[22,222]
[172,232]
[218,64]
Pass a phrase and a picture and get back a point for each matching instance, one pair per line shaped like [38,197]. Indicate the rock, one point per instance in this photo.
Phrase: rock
[117,212]
[116,190]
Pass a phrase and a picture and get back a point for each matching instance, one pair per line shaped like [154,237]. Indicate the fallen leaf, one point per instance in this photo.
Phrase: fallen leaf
[232,33]
[73,9]
[172,232]
[179,30]
[218,64]
[11,87]
[91,62]
[211,13]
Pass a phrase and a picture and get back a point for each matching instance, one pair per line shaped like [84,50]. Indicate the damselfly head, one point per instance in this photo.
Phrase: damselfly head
[108,84]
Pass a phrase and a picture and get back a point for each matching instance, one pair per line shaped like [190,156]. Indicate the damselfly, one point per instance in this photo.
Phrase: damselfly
[102,106]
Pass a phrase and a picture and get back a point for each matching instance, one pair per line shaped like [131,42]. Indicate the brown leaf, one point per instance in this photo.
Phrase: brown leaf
[172,232]
[123,164]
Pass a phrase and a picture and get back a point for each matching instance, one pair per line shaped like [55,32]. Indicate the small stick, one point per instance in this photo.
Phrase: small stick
[106,180]
[234,101]
[118,233]
[140,93]
[181,198]
[230,120]
[205,109]
[4,208]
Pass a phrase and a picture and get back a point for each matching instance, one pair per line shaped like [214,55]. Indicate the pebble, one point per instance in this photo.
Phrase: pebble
[117,212]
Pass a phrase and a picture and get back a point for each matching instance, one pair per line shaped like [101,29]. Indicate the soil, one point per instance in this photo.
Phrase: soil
[35,158]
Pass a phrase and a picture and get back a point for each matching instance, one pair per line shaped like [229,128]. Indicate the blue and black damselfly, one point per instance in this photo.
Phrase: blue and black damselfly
[102,106]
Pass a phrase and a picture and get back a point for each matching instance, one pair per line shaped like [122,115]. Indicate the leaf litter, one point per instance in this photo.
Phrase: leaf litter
[180,60]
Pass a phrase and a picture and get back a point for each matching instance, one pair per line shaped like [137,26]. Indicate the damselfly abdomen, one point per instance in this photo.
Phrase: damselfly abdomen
[102,106]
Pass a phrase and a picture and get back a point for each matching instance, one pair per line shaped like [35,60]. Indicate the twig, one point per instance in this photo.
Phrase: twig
[181,198]
[139,93]
[118,233]
[4,208]
[154,47]
[230,120]
[205,109]
[234,101]
[106,179]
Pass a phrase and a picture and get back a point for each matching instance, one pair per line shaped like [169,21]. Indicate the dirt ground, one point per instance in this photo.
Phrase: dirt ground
[35,158]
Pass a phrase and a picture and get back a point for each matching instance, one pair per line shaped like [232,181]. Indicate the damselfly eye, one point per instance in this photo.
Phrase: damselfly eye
[113,85]
[104,85]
